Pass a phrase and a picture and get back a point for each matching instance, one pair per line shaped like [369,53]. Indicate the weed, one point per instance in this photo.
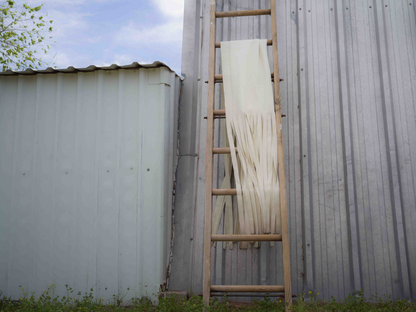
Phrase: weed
[72,302]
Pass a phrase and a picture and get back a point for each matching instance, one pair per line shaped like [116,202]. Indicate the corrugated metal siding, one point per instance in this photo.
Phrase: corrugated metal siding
[350,150]
[86,174]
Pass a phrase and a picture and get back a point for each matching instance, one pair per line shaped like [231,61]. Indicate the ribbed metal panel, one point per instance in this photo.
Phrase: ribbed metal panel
[86,173]
[350,147]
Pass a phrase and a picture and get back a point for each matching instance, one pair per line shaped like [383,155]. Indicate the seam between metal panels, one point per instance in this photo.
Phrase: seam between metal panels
[302,190]
[324,199]
[343,135]
[309,161]
[116,187]
[344,158]
[413,97]
[376,63]
[309,158]
[197,144]
[98,87]
[12,202]
[384,122]
[354,169]
[336,199]
[389,161]
[403,208]
[34,176]
[366,189]
[175,176]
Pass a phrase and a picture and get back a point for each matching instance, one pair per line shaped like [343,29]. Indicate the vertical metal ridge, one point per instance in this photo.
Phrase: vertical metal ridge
[397,31]
[118,165]
[56,131]
[379,235]
[340,10]
[402,263]
[357,169]
[99,91]
[342,134]
[138,229]
[55,161]
[76,161]
[305,147]
[13,183]
[353,164]
[34,169]
[410,221]
[382,32]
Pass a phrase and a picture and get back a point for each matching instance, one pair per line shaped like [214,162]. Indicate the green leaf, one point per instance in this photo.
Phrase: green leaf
[20,45]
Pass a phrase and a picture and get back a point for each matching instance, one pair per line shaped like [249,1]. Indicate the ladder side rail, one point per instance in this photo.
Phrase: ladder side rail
[209,156]
[281,164]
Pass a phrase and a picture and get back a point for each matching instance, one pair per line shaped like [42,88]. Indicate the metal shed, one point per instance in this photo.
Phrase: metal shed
[87,163]
[349,137]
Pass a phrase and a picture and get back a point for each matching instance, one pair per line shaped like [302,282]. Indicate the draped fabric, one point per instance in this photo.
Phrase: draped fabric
[251,126]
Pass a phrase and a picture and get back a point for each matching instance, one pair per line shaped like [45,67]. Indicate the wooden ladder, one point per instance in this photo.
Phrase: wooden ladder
[210,151]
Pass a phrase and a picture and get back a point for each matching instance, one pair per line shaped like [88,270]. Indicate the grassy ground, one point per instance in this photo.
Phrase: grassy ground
[76,302]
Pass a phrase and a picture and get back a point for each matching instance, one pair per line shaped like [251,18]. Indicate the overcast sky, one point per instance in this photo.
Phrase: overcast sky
[104,32]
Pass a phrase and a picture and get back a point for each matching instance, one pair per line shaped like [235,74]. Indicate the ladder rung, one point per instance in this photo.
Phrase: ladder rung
[218,44]
[247,238]
[222,150]
[219,77]
[243,13]
[221,112]
[247,288]
[224,192]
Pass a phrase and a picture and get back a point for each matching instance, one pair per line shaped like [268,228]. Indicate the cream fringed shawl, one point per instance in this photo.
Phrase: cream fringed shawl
[251,126]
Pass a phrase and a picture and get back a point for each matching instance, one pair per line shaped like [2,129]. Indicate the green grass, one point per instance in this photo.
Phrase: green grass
[78,302]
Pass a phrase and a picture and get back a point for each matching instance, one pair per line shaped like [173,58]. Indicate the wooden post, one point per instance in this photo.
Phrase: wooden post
[281,165]
[209,156]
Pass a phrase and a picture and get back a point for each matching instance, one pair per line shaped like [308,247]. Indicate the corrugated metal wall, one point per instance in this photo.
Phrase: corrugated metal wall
[86,174]
[349,93]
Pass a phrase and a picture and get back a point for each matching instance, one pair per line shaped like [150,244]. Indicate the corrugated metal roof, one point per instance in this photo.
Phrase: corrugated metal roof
[71,69]
[349,139]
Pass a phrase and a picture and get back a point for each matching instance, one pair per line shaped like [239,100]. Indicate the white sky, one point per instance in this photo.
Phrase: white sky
[104,32]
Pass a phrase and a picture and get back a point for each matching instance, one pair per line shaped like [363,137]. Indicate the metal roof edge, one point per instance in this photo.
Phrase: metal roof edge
[72,69]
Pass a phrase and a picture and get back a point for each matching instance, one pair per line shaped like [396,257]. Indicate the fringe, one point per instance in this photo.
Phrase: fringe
[255,170]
